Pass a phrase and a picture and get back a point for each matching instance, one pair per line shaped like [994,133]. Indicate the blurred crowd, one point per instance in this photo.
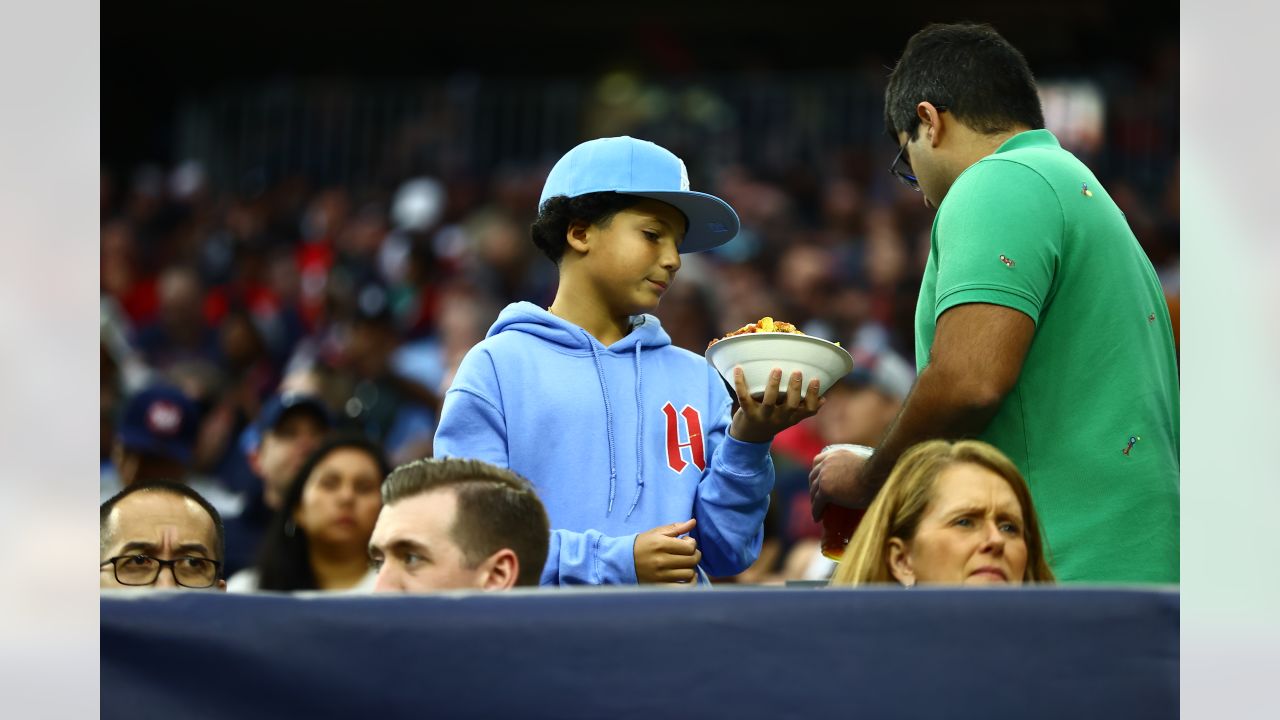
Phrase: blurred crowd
[367,298]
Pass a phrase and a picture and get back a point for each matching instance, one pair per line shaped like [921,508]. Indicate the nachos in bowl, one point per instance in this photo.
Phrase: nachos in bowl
[763,325]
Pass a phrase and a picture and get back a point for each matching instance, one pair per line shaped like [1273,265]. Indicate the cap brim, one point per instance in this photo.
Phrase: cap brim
[141,441]
[274,414]
[309,405]
[712,222]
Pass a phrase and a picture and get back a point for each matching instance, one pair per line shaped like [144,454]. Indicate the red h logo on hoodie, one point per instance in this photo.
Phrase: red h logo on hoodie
[693,425]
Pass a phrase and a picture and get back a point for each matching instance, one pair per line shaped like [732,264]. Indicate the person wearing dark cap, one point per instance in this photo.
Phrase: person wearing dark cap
[290,427]
[156,437]
[156,440]
[394,410]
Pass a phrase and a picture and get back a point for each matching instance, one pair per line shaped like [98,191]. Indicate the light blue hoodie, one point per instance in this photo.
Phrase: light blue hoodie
[603,433]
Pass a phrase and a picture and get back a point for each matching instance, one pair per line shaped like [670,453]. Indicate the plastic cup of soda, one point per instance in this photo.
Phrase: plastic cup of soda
[839,523]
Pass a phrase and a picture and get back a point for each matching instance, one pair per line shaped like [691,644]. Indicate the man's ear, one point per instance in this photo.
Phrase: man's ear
[500,571]
[222,585]
[578,236]
[252,457]
[932,124]
[898,558]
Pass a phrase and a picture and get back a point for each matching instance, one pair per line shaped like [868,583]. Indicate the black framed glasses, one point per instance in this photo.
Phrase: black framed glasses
[901,165]
[190,571]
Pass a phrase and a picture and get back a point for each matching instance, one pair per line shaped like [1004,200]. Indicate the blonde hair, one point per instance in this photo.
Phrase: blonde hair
[902,502]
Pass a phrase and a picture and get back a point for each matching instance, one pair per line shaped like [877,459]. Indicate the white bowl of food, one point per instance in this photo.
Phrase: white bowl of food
[760,347]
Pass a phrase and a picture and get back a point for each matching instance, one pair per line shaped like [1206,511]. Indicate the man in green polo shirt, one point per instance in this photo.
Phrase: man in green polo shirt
[1041,326]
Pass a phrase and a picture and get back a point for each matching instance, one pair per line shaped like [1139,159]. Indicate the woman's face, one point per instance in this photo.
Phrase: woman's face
[972,533]
[341,499]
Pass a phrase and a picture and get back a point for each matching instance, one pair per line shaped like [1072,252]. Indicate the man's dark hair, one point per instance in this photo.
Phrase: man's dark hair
[171,488]
[556,214]
[980,78]
[496,509]
[284,561]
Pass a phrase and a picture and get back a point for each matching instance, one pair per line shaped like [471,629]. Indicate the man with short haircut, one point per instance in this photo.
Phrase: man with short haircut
[451,524]
[1041,326]
[160,535]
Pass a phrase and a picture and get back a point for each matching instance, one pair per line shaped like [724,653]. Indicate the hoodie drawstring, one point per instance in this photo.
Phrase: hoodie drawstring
[608,420]
[639,436]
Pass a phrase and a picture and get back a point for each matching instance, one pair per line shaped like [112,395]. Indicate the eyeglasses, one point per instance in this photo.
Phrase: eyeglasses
[191,571]
[907,176]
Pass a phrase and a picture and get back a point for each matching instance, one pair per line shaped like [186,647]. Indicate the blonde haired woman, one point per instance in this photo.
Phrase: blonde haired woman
[954,513]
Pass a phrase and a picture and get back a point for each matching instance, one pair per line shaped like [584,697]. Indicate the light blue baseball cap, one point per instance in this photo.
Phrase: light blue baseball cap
[638,167]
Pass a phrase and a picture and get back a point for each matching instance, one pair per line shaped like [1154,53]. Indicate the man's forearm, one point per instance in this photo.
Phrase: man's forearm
[937,408]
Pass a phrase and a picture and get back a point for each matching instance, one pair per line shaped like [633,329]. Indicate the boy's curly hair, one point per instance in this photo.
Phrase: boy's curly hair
[551,227]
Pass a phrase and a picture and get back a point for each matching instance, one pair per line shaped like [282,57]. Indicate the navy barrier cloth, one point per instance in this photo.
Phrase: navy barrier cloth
[638,653]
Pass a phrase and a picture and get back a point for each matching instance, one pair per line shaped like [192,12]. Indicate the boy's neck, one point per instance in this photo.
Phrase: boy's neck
[590,315]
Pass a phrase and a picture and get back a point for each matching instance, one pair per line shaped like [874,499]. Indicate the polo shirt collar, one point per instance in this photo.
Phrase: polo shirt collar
[1029,139]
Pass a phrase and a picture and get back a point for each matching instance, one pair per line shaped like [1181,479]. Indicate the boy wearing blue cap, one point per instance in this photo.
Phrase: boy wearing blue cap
[629,440]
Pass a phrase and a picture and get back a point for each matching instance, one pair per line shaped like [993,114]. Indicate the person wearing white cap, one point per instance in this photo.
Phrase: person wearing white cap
[630,441]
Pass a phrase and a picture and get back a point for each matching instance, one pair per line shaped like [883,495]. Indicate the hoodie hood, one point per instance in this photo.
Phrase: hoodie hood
[528,318]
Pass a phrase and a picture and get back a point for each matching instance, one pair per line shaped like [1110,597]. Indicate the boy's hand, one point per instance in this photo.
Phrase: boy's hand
[664,557]
[760,421]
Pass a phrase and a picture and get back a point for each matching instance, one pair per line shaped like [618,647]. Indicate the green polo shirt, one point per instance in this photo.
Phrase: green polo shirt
[1093,420]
